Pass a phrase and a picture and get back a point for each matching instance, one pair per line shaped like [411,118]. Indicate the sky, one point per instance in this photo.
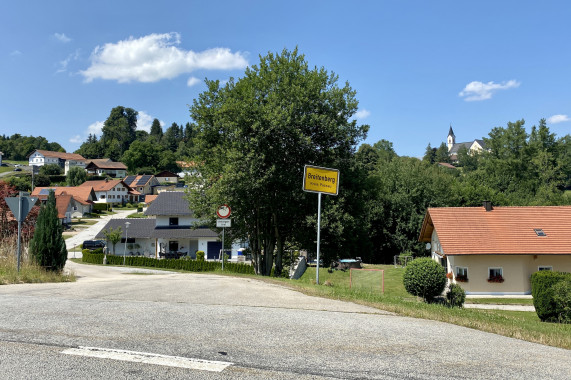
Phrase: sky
[418,67]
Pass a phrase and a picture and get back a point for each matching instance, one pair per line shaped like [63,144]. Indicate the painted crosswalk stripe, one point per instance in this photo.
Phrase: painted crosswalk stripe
[149,358]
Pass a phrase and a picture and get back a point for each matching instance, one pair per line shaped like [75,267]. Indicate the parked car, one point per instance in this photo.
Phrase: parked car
[17,169]
[93,244]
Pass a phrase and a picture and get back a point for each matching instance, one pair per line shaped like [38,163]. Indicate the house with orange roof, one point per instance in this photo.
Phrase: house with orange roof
[65,160]
[494,250]
[112,191]
[82,198]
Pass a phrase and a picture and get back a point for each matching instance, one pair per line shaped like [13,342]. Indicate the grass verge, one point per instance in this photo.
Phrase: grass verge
[515,324]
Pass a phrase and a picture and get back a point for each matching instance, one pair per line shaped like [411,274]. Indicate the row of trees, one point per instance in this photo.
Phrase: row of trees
[18,147]
[142,152]
[255,135]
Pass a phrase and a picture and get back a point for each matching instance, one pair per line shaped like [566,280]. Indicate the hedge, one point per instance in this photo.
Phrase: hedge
[542,284]
[187,265]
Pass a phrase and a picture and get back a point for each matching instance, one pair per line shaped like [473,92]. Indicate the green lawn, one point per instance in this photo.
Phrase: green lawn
[521,325]
[83,222]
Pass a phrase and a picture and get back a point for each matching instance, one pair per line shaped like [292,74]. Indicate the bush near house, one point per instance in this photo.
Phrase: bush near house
[424,278]
[455,296]
[543,286]
[180,264]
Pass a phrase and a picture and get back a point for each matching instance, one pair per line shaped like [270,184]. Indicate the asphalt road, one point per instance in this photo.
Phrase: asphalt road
[250,329]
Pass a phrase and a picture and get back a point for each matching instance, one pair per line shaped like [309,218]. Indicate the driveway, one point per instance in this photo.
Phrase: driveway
[73,243]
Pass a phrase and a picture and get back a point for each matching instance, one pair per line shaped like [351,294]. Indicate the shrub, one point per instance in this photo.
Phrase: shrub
[455,296]
[424,278]
[562,299]
[199,255]
[542,290]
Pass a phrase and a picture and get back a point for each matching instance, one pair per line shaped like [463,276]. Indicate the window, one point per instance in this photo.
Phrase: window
[544,268]
[129,240]
[102,197]
[539,232]
[495,275]
[462,274]
[173,221]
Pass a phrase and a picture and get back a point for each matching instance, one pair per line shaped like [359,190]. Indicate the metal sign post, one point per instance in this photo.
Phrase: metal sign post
[320,180]
[223,213]
[20,207]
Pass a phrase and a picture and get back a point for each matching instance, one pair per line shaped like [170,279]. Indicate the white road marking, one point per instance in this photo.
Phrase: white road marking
[149,358]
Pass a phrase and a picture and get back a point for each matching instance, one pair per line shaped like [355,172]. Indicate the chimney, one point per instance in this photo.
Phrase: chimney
[488,205]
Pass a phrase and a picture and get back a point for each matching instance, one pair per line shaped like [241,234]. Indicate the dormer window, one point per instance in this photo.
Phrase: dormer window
[539,232]
[173,221]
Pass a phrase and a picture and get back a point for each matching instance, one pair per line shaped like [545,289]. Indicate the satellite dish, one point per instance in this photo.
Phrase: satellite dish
[428,246]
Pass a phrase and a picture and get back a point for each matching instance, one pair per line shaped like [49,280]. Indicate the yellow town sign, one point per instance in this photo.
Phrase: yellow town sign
[321,180]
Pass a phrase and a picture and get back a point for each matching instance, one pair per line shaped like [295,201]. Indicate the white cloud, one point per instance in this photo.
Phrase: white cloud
[558,119]
[63,64]
[76,139]
[144,121]
[95,128]
[192,81]
[62,37]
[362,114]
[15,53]
[155,57]
[475,91]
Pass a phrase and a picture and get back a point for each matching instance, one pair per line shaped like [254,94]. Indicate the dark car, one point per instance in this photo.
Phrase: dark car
[93,244]
[17,169]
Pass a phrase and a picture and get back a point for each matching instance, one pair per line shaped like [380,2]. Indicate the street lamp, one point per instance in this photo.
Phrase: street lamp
[126,231]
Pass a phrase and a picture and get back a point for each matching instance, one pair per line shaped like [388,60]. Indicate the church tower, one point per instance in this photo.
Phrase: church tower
[451,138]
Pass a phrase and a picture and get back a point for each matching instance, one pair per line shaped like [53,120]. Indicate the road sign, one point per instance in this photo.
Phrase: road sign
[20,211]
[223,222]
[223,211]
[321,180]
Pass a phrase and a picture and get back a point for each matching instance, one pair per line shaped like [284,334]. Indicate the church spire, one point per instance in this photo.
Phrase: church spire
[451,140]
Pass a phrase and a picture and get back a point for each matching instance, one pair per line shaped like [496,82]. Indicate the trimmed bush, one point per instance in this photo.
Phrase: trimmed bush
[180,264]
[542,290]
[455,296]
[424,278]
[199,255]
[562,298]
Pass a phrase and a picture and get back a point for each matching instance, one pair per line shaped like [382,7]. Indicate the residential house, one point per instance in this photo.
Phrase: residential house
[167,177]
[453,147]
[144,184]
[81,202]
[169,233]
[64,160]
[112,191]
[494,250]
[105,166]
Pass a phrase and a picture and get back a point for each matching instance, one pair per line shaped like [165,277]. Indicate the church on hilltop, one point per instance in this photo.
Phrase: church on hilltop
[453,147]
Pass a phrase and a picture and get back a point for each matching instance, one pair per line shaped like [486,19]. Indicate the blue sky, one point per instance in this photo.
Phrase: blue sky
[417,66]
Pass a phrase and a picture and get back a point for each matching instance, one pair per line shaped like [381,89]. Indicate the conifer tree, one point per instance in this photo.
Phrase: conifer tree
[47,247]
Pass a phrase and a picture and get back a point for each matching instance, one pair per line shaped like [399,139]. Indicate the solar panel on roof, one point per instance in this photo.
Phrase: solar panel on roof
[143,180]
[129,179]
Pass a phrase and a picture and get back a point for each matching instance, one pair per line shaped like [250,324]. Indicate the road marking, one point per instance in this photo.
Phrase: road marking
[149,358]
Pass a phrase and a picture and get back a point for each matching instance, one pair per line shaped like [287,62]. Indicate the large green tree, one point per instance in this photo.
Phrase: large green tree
[76,176]
[254,137]
[119,131]
[47,247]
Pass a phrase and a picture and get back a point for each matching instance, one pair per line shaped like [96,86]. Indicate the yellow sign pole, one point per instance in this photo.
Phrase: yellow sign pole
[320,180]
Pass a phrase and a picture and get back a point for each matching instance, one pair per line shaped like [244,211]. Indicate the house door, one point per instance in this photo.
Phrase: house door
[213,250]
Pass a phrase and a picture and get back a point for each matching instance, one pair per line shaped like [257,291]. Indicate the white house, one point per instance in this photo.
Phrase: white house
[64,160]
[105,166]
[453,147]
[112,191]
[169,233]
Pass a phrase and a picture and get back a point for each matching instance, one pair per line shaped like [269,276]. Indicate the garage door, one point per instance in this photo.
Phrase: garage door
[213,250]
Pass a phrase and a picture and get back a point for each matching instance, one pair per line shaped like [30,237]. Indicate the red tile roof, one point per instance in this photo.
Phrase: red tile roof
[62,204]
[502,231]
[81,194]
[103,185]
[64,156]
[101,164]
